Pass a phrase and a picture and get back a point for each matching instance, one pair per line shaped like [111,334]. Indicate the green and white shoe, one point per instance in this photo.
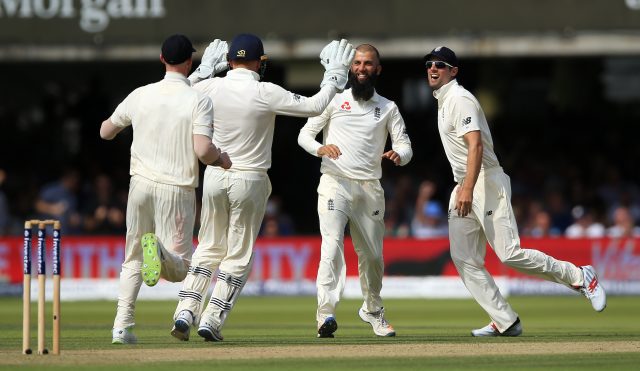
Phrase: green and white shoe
[151,263]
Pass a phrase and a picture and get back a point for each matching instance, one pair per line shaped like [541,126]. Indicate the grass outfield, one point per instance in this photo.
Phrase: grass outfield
[278,333]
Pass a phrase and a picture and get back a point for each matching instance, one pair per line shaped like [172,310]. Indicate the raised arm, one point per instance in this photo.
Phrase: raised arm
[214,61]
[336,58]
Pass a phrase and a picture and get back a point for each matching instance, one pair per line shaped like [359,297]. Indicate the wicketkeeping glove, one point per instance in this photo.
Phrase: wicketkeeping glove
[336,58]
[328,50]
[214,60]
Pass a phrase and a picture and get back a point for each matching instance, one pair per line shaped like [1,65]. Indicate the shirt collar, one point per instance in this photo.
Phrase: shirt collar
[176,76]
[440,93]
[243,74]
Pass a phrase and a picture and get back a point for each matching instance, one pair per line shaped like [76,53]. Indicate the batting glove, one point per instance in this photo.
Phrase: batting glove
[214,60]
[336,58]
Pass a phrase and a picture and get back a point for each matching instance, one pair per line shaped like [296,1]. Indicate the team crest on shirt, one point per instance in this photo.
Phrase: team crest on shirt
[376,113]
[297,98]
[345,106]
[466,121]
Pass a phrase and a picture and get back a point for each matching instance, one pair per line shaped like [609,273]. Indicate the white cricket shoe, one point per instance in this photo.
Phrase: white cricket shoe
[377,321]
[327,327]
[492,330]
[209,331]
[592,288]
[123,336]
[182,325]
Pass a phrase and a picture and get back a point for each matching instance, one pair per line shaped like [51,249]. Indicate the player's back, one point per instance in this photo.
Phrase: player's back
[162,116]
[243,119]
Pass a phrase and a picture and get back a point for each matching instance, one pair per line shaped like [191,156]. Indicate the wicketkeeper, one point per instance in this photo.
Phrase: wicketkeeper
[234,200]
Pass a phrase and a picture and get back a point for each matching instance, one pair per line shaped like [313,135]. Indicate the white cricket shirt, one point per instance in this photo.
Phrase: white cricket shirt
[165,115]
[360,130]
[245,112]
[459,113]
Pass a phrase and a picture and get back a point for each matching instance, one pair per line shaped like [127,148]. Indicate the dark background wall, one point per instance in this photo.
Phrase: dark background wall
[146,21]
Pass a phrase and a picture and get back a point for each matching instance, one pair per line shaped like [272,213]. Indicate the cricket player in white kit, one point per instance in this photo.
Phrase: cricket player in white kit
[355,127]
[480,206]
[234,200]
[172,124]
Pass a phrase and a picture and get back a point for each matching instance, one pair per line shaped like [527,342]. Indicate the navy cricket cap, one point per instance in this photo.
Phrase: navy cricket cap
[246,47]
[445,54]
[177,49]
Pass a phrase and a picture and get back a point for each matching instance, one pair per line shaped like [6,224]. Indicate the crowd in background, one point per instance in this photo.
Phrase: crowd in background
[414,208]
[414,211]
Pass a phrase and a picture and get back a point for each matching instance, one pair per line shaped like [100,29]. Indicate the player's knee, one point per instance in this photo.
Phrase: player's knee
[176,275]
[510,255]
[371,260]
[464,260]
[459,258]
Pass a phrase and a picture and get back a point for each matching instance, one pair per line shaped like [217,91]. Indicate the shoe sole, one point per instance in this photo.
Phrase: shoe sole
[509,333]
[180,330]
[484,335]
[119,341]
[328,328]
[151,260]
[208,335]
[365,320]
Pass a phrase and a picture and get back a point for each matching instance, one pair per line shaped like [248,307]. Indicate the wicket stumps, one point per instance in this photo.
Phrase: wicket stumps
[26,298]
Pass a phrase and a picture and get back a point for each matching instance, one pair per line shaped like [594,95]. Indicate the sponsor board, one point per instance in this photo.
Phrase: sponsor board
[288,266]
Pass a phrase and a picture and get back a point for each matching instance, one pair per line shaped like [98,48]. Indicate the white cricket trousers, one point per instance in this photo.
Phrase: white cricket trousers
[233,206]
[361,204]
[492,220]
[169,212]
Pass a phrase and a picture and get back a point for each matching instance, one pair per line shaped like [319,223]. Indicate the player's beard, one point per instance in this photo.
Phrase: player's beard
[362,90]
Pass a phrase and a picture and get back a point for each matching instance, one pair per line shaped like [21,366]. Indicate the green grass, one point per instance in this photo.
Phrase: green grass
[290,321]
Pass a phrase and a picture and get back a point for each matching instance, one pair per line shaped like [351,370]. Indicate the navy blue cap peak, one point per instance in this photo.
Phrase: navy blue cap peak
[246,47]
[443,53]
[177,49]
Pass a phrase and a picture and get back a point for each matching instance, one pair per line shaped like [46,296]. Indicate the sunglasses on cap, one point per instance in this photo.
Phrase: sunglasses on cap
[439,64]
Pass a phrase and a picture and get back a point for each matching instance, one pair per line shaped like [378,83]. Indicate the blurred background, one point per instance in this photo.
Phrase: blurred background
[559,82]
